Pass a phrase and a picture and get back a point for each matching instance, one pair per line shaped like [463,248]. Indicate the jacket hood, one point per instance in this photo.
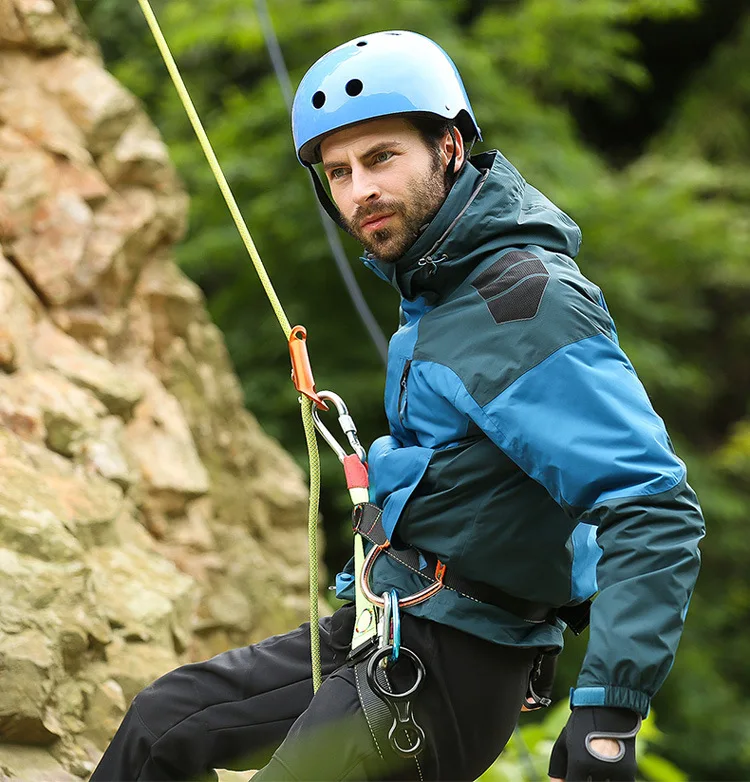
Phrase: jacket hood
[490,208]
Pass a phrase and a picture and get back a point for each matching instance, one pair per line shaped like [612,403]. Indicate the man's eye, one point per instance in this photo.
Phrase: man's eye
[381,157]
[337,173]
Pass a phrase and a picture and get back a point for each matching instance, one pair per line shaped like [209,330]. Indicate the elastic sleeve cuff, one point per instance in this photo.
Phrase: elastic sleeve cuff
[616,697]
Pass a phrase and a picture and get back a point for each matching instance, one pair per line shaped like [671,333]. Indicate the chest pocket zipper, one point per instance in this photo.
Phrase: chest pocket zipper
[402,393]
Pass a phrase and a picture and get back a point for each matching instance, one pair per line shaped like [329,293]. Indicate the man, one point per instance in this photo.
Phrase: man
[524,463]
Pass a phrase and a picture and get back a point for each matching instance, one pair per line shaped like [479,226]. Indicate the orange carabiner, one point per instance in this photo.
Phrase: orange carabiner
[302,375]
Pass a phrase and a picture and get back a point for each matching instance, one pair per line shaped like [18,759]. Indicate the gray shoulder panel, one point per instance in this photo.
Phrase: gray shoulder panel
[514,311]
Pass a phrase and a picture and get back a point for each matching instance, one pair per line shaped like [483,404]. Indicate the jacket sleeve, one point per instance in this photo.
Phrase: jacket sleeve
[580,423]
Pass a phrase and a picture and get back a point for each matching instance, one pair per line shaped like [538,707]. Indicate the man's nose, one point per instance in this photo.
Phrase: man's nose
[364,188]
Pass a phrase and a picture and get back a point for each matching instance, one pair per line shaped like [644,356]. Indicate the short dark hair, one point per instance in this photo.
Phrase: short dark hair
[431,129]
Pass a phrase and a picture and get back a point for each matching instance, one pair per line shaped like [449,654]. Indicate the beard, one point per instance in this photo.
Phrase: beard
[423,200]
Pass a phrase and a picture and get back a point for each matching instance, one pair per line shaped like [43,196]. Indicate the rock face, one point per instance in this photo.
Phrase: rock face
[145,519]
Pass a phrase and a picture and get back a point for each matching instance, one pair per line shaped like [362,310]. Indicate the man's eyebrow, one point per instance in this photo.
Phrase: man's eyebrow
[381,146]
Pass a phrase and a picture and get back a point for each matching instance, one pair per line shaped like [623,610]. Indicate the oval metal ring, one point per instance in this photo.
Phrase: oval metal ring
[378,689]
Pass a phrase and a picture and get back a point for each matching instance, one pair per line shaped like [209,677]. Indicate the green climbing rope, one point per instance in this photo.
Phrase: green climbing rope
[305,404]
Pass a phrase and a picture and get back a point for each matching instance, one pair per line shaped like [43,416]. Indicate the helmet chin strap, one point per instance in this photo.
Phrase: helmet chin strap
[449,171]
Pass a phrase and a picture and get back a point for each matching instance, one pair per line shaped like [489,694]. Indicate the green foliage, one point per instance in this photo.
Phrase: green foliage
[526,757]
[721,135]
[666,237]
[533,43]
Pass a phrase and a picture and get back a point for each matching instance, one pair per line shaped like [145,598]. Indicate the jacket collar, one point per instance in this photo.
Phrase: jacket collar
[422,266]
[489,208]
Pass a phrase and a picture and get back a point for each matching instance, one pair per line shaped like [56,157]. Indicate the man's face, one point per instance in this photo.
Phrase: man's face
[386,182]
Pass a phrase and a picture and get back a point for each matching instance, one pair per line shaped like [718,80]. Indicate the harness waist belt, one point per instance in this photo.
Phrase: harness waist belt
[366,521]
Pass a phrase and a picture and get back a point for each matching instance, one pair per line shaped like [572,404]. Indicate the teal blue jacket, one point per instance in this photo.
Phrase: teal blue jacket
[523,450]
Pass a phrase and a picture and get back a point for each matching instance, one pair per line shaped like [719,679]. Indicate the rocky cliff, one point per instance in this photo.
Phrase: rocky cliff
[145,519]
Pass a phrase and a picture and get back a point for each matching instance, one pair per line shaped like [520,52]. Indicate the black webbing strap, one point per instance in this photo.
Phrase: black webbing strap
[376,712]
[366,520]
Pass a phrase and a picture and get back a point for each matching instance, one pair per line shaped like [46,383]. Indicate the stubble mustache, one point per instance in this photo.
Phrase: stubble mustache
[381,207]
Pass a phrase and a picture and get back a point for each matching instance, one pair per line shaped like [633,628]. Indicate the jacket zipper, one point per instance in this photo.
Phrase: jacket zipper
[402,393]
[427,259]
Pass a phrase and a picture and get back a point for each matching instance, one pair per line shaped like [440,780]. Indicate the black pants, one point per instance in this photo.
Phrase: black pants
[254,708]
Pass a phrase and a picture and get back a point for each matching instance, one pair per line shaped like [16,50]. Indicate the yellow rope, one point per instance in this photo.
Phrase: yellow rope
[305,404]
[312,537]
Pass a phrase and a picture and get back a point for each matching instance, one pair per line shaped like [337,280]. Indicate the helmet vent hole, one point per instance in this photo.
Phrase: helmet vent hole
[353,87]
[361,43]
[319,99]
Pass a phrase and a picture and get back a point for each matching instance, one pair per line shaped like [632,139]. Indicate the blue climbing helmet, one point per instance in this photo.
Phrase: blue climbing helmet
[377,75]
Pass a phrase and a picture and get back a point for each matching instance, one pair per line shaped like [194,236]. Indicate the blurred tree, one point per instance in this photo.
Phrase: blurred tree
[564,89]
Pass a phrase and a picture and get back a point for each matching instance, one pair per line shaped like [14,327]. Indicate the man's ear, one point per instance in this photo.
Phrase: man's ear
[453,143]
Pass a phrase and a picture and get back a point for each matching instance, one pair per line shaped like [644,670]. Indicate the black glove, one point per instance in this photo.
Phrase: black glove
[574,760]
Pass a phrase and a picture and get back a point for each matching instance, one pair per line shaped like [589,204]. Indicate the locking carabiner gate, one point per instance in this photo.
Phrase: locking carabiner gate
[346,422]
[355,464]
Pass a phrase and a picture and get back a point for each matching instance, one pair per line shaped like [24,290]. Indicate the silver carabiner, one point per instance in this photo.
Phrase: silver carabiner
[390,630]
[386,616]
[346,422]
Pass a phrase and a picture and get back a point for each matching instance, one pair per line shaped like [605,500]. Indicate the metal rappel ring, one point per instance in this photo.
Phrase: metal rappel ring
[399,703]
[378,689]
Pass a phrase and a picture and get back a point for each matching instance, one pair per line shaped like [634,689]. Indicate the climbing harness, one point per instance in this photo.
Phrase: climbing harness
[367,522]
[405,735]
[377,621]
